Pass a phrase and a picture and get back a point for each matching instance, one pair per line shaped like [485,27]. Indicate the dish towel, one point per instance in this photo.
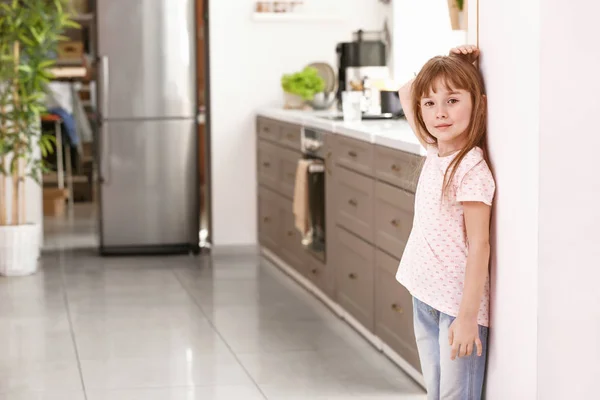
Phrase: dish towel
[301,210]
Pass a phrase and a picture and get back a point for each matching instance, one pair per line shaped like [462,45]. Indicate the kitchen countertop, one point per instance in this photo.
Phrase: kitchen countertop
[395,134]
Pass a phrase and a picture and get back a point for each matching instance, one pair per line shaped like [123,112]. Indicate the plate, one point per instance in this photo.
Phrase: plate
[326,72]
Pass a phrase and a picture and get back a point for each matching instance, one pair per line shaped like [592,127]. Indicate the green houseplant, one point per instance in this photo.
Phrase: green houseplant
[29,33]
[302,86]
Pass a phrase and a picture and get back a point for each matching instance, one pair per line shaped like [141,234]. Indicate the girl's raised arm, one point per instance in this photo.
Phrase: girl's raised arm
[405,93]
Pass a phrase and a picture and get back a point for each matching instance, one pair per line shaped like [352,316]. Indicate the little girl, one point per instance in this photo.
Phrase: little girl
[445,263]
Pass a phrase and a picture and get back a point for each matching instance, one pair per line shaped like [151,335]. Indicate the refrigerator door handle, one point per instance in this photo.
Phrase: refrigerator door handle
[104,141]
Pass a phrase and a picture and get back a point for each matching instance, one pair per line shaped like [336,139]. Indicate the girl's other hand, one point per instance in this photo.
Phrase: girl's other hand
[463,337]
[468,52]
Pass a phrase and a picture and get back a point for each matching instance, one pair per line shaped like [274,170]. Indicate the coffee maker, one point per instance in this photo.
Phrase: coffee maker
[361,59]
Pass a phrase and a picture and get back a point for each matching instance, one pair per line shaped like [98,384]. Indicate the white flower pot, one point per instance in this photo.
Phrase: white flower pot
[293,101]
[19,249]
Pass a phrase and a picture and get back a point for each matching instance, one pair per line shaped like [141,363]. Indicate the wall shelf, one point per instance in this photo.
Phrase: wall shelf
[293,17]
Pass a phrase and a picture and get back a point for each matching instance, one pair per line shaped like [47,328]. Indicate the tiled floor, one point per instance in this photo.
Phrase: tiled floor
[179,328]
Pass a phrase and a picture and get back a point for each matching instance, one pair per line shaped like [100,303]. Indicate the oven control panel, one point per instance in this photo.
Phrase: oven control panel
[312,142]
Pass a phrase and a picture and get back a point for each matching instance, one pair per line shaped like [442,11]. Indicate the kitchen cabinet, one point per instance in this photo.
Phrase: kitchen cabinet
[394,210]
[355,259]
[354,205]
[393,310]
[354,154]
[369,206]
[269,221]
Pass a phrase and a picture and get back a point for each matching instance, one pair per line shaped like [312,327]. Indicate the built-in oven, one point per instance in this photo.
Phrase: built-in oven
[312,145]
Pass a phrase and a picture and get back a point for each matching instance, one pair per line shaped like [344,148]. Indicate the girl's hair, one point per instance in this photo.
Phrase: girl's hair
[455,73]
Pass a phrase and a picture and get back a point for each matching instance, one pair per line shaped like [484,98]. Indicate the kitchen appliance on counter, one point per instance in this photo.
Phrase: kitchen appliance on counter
[149,193]
[390,103]
[361,64]
[312,147]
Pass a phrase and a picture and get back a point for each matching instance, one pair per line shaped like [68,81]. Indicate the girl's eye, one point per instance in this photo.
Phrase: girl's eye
[453,101]
[428,103]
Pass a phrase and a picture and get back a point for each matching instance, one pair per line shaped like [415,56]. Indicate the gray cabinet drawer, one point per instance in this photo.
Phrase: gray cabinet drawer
[354,154]
[269,221]
[393,310]
[268,129]
[394,213]
[354,202]
[397,167]
[268,164]
[290,135]
[354,261]
[289,164]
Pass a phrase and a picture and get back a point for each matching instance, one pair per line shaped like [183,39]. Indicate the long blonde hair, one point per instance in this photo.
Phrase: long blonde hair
[456,73]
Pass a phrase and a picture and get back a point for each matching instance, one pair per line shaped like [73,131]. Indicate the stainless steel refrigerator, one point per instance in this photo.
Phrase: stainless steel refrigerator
[148,159]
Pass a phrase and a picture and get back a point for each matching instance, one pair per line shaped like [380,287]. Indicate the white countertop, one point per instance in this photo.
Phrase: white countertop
[395,134]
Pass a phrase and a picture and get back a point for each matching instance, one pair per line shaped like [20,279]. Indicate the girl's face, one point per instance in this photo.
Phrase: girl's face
[447,113]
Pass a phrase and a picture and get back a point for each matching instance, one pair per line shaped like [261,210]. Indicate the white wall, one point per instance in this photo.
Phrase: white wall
[422,29]
[569,273]
[542,89]
[247,60]
[510,64]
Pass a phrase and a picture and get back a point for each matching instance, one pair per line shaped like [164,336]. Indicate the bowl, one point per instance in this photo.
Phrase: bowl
[322,100]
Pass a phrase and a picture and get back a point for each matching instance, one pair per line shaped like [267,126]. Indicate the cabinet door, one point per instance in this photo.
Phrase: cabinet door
[290,135]
[269,221]
[269,169]
[393,310]
[354,203]
[291,248]
[322,275]
[354,154]
[268,129]
[354,276]
[397,167]
[394,213]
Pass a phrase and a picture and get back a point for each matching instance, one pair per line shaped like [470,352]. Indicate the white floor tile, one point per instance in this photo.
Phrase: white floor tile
[43,395]
[249,392]
[40,376]
[195,370]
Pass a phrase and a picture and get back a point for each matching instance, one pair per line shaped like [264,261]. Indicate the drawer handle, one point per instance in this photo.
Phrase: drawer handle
[353,202]
[395,223]
[352,154]
[352,276]
[266,219]
[290,136]
[266,164]
[266,129]
[395,168]
[397,308]
[290,233]
[314,271]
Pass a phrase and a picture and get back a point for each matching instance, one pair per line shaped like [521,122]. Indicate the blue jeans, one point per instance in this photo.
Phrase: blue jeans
[461,379]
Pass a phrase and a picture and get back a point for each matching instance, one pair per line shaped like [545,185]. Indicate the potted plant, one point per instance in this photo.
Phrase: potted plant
[29,33]
[301,86]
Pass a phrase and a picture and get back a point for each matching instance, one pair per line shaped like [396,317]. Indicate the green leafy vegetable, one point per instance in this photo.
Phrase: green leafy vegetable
[305,83]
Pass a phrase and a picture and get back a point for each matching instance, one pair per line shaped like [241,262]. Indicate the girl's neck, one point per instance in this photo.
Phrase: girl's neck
[446,149]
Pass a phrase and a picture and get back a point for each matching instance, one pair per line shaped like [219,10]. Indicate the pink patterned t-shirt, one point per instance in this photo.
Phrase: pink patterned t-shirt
[434,262]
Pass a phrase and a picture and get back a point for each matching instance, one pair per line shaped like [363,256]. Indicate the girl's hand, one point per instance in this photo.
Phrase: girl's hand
[469,52]
[462,334]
